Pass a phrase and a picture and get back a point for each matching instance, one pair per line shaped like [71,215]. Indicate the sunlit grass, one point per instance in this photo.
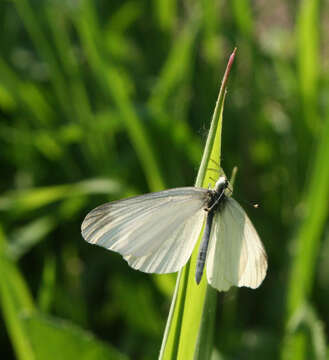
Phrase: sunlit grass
[121,93]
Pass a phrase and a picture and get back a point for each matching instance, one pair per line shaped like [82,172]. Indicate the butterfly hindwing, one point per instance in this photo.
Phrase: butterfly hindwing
[236,255]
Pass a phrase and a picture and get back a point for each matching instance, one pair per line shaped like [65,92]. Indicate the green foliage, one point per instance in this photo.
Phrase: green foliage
[101,100]
[53,338]
[35,336]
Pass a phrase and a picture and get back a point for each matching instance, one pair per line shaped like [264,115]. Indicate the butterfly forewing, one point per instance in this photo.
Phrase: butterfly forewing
[173,254]
[236,255]
[146,229]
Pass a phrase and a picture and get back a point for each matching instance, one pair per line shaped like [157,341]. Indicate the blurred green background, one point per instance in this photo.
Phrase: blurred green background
[100,100]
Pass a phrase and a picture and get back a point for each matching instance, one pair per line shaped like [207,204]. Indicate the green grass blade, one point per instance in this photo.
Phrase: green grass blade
[71,197]
[60,31]
[310,231]
[166,13]
[27,95]
[211,42]
[305,338]
[117,86]
[51,337]
[42,44]
[188,334]
[26,236]
[308,50]
[34,336]
[176,68]
[15,299]
[243,16]
[21,201]
[46,292]
[307,240]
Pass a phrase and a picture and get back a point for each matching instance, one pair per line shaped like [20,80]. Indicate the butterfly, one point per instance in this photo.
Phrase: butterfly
[157,232]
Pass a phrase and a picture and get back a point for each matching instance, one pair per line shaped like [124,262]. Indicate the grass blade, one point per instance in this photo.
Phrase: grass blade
[186,335]
[15,299]
[309,235]
[308,61]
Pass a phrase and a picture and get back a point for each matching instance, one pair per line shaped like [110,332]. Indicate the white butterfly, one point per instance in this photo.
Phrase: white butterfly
[157,232]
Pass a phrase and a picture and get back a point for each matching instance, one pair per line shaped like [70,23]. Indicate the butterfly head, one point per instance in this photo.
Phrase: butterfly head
[221,184]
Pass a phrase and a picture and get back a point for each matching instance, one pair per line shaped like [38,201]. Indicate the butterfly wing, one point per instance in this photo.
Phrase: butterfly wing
[175,252]
[155,232]
[236,254]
